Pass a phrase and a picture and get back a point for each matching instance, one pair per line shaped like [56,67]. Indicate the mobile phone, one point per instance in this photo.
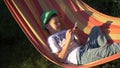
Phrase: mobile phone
[75,26]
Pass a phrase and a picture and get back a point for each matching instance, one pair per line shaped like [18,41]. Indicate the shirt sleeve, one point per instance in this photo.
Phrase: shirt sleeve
[53,45]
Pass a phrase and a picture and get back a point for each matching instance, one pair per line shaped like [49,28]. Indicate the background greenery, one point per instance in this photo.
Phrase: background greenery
[16,51]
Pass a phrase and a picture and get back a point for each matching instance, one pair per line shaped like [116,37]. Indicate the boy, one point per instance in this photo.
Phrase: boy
[64,46]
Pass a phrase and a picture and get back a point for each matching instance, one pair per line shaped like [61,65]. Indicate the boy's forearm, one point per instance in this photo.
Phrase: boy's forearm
[63,53]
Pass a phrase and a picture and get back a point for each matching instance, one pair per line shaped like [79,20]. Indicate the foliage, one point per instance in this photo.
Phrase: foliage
[109,7]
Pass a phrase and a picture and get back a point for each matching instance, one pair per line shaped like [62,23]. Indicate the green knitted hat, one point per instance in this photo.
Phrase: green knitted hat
[46,16]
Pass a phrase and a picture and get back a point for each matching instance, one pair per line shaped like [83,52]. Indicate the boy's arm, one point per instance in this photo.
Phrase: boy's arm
[61,55]
[77,36]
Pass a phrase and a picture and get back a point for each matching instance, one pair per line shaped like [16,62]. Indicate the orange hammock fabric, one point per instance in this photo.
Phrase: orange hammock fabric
[27,14]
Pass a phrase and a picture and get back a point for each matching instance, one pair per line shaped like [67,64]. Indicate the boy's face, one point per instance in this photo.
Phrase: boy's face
[54,24]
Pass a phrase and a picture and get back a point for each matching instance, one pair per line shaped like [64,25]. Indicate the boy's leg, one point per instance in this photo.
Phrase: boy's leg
[94,52]
[99,53]
[109,50]
[96,38]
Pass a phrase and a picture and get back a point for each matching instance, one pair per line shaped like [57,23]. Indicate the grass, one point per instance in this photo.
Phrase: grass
[16,51]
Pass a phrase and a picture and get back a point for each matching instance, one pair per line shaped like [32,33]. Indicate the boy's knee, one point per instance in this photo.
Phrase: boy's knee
[96,28]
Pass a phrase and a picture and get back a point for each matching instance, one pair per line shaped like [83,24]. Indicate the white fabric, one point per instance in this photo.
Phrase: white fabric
[56,42]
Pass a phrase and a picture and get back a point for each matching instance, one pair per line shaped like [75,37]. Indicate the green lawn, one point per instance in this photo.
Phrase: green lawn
[16,51]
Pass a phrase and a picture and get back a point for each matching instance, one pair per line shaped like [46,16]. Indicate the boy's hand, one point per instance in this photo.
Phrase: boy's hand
[69,35]
[77,36]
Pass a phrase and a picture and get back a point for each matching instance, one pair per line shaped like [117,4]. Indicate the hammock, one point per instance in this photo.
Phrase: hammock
[27,14]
